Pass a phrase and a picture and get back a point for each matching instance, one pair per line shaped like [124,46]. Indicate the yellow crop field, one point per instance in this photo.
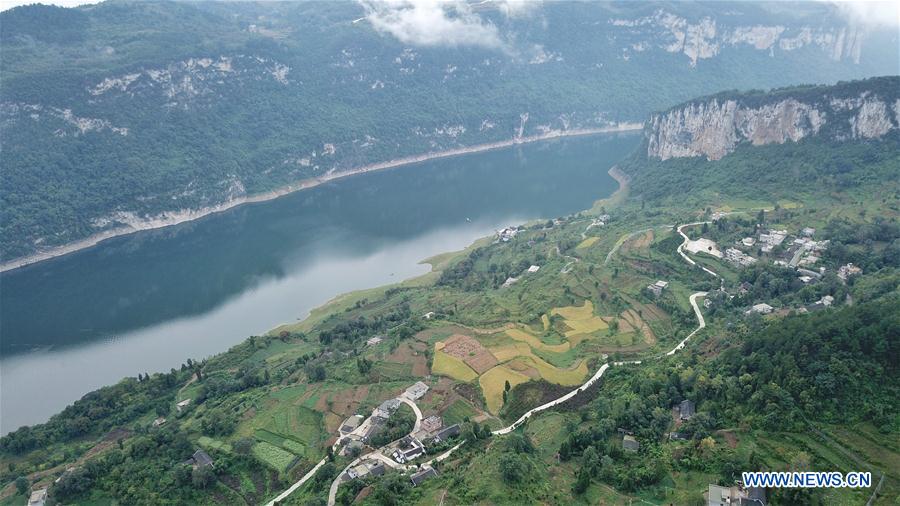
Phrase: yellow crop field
[505,352]
[534,342]
[546,321]
[493,383]
[587,326]
[587,243]
[575,312]
[567,377]
[451,367]
[580,319]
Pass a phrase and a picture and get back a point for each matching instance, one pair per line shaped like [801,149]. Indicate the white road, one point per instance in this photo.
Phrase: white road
[415,409]
[376,454]
[684,243]
[700,321]
[299,483]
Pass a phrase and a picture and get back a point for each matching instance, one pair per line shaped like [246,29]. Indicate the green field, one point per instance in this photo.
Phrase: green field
[273,456]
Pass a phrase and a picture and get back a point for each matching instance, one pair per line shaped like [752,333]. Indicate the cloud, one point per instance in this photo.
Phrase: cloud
[442,22]
[9,4]
[873,13]
[518,8]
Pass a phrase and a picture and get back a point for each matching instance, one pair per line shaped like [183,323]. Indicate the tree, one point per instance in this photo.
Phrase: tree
[21,485]
[217,423]
[363,365]
[506,386]
[519,443]
[513,468]
[202,477]
[315,372]
[243,445]
[582,482]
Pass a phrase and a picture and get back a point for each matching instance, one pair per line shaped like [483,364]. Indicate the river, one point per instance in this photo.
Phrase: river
[148,301]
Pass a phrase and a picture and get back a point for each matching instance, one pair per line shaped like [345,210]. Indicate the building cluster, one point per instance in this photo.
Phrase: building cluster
[735,496]
[845,272]
[761,308]
[407,449]
[686,410]
[658,287]
[507,233]
[771,239]
[806,252]
[630,444]
[738,257]
[416,391]
[824,302]
[350,424]
[38,497]
[199,459]
[372,341]
[367,468]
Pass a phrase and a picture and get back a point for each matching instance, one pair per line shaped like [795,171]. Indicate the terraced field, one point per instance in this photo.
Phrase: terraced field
[451,366]
[493,383]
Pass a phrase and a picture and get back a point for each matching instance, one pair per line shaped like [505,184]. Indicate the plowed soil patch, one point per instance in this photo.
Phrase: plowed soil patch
[470,351]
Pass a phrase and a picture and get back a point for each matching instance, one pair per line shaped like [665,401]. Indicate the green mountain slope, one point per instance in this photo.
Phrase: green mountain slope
[132,113]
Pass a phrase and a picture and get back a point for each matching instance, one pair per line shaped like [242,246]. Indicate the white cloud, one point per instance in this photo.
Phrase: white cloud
[874,13]
[517,8]
[9,4]
[442,22]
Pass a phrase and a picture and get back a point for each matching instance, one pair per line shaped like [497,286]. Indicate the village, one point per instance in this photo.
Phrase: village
[746,246]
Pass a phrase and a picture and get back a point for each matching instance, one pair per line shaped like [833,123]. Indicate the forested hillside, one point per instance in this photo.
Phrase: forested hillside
[134,113]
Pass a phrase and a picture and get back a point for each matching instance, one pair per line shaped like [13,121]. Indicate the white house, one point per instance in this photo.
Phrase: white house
[762,308]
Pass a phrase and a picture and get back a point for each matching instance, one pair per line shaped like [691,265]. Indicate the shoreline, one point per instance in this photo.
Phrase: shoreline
[434,261]
[168,220]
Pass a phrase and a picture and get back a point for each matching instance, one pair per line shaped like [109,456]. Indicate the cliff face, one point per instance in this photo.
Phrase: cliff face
[713,127]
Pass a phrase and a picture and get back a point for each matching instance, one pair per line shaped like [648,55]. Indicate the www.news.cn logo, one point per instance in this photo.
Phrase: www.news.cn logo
[807,479]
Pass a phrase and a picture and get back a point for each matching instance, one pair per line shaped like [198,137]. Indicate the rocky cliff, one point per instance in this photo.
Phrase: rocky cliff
[714,126]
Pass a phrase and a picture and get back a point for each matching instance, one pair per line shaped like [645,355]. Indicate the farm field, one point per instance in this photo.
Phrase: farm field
[451,366]
[493,383]
[587,243]
[272,455]
[581,320]
[511,356]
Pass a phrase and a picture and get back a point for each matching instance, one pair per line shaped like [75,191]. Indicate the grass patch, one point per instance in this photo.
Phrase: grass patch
[458,412]
[273,456]
[210,443]
[587,243]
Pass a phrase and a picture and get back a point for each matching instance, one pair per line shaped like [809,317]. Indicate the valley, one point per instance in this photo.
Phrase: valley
[420,253]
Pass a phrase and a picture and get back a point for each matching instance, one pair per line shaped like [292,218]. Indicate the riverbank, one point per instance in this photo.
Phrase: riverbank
[437,262]
[177,217]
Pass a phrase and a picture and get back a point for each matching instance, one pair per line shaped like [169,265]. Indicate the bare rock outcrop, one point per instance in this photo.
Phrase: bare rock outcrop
[713,127]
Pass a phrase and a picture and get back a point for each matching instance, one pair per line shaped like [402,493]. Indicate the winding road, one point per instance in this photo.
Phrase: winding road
[377,455]
[684,243]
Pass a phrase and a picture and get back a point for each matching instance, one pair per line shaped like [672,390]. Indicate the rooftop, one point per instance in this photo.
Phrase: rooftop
[422,475]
